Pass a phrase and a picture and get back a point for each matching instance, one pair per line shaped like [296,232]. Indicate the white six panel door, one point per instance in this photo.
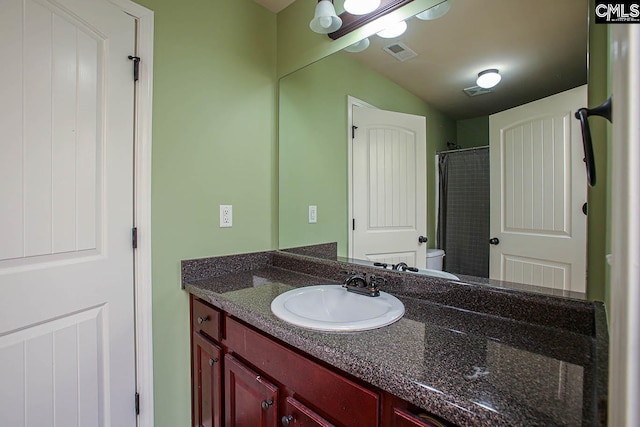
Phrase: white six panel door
[66,207]
[389,187]
[538,187]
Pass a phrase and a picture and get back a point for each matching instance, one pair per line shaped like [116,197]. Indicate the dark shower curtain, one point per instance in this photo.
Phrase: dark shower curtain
[463,211]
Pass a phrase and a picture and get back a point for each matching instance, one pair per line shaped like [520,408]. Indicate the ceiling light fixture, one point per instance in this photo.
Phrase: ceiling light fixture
[393,30]
[325,20]
[488,78]
[435,12]
[358,46]
[361,7]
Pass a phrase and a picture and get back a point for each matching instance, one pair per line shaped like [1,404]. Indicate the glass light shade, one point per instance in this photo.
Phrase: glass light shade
[358,46]
[325,20]
[361,7]
[488,78]
[435,12]
[393,30]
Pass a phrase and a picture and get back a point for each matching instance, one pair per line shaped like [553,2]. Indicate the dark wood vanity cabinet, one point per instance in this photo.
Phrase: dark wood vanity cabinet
[242,377]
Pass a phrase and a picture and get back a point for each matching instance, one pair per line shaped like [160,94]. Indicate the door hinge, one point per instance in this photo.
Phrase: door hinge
[137,403]
[134,237]
[353,224]
[136,67]
[353,131]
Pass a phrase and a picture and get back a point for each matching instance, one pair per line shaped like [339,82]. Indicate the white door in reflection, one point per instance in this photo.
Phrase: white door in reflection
[389,187]
[538,188]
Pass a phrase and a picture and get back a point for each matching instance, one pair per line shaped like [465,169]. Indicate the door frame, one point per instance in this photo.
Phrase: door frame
[142,209]
[624,317]
[351,102]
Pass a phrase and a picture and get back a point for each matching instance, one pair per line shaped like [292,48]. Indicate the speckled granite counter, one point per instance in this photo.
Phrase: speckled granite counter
[473,355]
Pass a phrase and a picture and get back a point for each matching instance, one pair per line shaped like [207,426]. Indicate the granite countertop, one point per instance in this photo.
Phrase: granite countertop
[469,363]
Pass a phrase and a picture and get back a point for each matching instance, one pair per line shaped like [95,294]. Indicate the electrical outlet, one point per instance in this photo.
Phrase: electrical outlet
[226,216]
[313,214]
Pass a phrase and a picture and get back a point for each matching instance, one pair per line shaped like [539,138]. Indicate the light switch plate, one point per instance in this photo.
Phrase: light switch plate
[313,214]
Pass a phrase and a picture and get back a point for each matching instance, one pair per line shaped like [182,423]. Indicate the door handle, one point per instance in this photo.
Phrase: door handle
[494,241]
[603,110]
[422,239]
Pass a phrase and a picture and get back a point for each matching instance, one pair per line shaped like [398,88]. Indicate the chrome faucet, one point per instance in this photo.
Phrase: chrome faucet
[401,266]
[363,284]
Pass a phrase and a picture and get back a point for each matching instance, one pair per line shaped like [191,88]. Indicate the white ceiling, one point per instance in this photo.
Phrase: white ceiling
[540,48]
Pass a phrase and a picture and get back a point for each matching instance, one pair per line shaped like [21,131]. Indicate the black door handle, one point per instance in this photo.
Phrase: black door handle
[422,239]
[494,241]
[603,110]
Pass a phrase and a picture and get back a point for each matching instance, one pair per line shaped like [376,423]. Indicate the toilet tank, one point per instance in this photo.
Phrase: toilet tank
[434,259]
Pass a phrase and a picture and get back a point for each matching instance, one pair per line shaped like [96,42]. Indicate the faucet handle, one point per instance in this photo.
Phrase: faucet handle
[374,281]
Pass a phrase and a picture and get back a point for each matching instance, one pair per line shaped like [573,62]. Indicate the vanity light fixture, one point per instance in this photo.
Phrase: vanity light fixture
[393,30]
[488,78]
[361,7]
[435,12]
[325,20]
[358,46]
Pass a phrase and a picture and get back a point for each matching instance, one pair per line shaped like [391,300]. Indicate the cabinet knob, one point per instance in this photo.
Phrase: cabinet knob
[201,320]
[286,420]
[266,404]
[212,361]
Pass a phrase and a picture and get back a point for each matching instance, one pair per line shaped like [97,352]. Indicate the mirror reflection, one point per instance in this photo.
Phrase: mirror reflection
[431,72]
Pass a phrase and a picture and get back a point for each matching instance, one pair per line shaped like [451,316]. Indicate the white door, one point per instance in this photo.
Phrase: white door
[66,207]
[538,188]
[389,187]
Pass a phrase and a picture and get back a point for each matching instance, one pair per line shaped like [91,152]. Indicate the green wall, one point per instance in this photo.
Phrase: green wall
[472,132]
[599,219]
[214,142]
[313,145]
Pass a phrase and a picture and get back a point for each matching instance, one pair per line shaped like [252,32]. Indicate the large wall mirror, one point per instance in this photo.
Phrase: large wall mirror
[540,49]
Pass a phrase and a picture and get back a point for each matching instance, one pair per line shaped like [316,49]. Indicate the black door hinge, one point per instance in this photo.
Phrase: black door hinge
[353,224]
[134,237]
[353,131]
[136,67]
[137,403]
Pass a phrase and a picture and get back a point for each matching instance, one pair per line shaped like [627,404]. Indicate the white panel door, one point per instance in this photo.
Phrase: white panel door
[538,188]
[66,209]
[389,187]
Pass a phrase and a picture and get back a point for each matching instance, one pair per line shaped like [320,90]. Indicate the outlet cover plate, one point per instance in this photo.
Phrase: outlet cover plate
[226,216]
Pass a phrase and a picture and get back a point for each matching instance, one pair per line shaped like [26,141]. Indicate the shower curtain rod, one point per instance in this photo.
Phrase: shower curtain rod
[462,149]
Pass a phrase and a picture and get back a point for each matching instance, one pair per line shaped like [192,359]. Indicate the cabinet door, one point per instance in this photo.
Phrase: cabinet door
[207,383]
[250,400]
[402,418]
[296,414]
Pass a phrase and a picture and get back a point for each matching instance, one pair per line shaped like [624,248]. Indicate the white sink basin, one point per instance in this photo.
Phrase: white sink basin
[333,308]
[436,273]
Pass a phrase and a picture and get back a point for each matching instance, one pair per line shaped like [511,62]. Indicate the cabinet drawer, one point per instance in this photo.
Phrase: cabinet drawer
[335,398]
[206,319]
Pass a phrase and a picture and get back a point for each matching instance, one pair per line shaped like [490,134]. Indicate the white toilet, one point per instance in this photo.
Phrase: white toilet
[434,259]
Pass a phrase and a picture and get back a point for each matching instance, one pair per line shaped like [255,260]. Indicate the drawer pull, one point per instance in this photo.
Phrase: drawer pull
[212,361]
[266,404]
[201,320]
[286,420]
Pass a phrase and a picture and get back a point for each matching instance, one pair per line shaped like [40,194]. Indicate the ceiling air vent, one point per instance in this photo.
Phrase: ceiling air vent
[400,51]
[476,90]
